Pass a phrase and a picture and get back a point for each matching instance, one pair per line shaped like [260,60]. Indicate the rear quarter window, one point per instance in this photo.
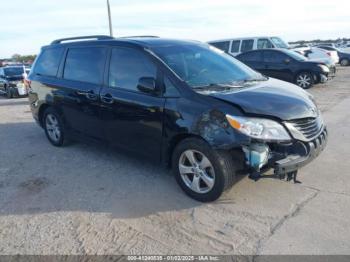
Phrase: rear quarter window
[49,61]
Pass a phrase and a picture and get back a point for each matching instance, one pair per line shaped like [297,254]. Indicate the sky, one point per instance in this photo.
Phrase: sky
[28,25]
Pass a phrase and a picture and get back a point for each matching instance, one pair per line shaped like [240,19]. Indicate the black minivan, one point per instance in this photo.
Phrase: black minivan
[182,103]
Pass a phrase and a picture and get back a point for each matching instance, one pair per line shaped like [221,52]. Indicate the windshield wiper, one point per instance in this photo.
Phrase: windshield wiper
[218,87]
[255,79]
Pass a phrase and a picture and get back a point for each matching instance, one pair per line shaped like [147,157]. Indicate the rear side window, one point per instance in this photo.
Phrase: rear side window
[251,57]
[235,46]
[127,66]
[247,45]
[49,61]
[264,43]
[85,64]
[224,46]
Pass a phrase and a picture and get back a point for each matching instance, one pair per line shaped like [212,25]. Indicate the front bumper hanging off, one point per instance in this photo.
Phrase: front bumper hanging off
[293,162]
[284,159]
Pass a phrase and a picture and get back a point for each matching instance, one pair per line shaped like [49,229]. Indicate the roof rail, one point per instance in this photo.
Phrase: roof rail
[139,36]
[88,37]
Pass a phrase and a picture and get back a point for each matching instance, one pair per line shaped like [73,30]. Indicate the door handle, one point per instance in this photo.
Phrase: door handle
[107,99]
[88,94]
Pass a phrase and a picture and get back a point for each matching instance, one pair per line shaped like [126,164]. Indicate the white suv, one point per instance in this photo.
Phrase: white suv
[235,46]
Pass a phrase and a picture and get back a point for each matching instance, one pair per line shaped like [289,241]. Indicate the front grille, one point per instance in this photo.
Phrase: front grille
[305,129]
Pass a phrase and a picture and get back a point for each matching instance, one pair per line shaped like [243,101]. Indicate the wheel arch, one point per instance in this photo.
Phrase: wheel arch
[174,141]
[43,107]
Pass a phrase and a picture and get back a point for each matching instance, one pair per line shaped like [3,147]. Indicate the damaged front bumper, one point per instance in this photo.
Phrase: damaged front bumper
[284,159]
[293,162]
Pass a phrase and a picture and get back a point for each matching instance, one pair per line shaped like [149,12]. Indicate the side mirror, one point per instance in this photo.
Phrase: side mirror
[147,85]
[287,61]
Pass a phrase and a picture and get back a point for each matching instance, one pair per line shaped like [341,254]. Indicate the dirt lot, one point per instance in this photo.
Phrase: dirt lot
[90,199]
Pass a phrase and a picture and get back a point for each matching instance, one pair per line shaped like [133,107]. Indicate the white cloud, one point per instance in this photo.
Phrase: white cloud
[27,26]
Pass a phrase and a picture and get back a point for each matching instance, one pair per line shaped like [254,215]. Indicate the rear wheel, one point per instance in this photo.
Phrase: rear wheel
[344,62]
[304,80]
[53,126]
[202,172]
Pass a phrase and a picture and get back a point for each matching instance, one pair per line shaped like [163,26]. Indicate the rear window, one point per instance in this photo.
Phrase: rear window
[224,46]
[49,61]
[247,45]
[85,64]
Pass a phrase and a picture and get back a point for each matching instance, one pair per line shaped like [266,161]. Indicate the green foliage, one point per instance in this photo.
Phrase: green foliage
[23,58]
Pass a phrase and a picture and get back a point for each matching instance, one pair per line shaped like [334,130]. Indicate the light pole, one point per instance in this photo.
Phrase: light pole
[109,19]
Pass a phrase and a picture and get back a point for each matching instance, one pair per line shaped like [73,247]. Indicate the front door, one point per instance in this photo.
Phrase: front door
[276,65]
[133,118]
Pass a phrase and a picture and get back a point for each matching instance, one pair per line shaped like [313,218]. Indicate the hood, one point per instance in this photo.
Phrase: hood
[273,98]
[317,61]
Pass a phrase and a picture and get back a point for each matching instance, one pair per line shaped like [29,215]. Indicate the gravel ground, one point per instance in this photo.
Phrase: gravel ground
[88,199]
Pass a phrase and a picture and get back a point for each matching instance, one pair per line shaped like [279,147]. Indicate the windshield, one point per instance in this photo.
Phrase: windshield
[279,43]
[202,65]
[13,71]
[296,55]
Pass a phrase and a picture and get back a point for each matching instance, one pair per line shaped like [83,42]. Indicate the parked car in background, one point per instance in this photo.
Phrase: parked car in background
[12,81]
[183,103]
[286,65]
[236,46]
[345,48]
[344,57]
[315,53]
[327,44]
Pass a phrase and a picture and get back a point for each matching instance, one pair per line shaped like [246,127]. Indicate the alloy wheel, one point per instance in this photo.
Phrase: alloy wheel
[53,127]
[344,62]
[304,80]
[196,171]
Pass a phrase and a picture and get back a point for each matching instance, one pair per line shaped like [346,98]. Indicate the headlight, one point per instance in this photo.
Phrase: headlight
[324,68]
[259,128]
[13,82]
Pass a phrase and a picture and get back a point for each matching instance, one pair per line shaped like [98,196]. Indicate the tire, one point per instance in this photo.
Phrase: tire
[344,62]
[305,80]
[54,128]
[9,93]
[213,177]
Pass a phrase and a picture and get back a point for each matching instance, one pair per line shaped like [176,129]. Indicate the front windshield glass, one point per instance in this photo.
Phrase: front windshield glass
[202,65]
[13,71]
[296,55]
[279,43]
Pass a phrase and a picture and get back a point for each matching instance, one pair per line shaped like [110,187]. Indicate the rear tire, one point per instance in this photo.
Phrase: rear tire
[54,128]
[202,172]
[344,62]
[305,80]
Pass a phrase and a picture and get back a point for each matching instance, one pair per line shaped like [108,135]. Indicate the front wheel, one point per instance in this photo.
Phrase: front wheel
[344,62]
[202,172]
[9,93]
[304,80]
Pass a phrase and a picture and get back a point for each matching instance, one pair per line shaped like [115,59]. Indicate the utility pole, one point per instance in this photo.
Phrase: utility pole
[109,19]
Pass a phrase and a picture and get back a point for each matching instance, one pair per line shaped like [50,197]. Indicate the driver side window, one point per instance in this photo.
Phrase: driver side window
[127,66]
